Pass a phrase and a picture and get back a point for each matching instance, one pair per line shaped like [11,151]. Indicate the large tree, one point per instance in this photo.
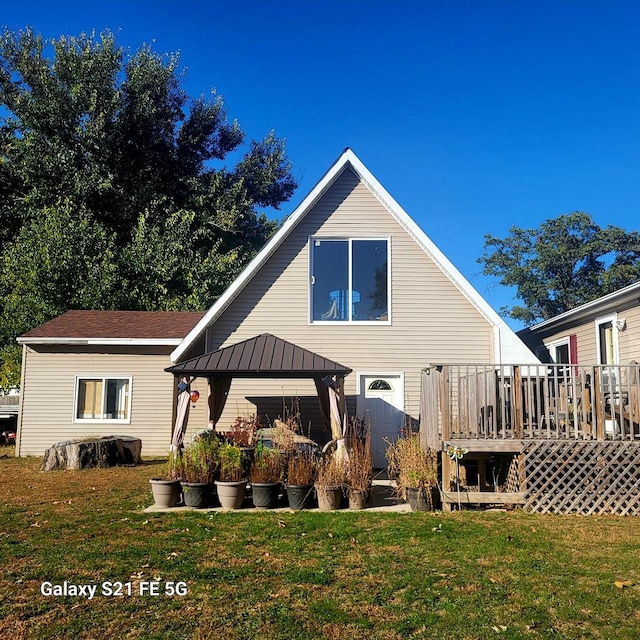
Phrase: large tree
[567,261]
[116,189]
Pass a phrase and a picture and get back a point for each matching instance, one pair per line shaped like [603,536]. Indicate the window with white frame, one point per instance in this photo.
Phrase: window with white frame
[559,351]
[103,399]
[350,280]
[607,340]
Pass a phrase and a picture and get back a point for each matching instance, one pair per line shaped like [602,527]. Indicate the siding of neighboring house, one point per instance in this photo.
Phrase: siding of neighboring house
[47,403]
[586,336]
[629,339]
[431,319]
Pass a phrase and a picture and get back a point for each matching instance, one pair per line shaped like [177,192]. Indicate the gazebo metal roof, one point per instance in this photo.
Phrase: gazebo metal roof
[263,356]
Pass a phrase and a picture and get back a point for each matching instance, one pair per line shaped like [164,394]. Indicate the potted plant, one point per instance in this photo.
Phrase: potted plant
[331,480]
[232,483]
[166,490]
[416,471]
[301,474]
[360,475]
[200,462]
[244,434]
[265,475]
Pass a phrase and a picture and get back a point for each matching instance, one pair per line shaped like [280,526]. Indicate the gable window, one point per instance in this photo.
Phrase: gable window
[103,399]
[349,280]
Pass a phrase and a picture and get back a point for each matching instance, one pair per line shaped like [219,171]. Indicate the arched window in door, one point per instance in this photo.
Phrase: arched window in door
[379,385]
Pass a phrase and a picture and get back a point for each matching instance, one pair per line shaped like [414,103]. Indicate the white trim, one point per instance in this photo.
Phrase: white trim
[611,317]
[105,421]
[554,344]
[629,292]
[377,374]
[104,341]
[510,349]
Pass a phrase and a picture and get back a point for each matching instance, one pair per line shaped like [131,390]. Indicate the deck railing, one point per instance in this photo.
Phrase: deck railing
[523,402]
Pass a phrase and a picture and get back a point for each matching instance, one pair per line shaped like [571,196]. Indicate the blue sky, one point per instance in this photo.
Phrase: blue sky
[475,115]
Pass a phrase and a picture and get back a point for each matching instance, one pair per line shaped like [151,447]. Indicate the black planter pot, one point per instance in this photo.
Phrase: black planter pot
[423,499]
[197,494]
[264,495]
[299,496]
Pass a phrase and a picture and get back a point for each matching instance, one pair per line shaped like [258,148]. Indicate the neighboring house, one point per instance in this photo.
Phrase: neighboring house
[350,276]
[605,331]
[97,373]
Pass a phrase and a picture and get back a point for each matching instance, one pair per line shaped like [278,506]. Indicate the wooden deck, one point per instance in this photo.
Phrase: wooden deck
[505,403]
[568,436]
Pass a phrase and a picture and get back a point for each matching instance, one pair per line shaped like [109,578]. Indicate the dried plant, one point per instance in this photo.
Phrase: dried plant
[332,471]
[282,436]
[266,466]
[411,464]
[360,463]
[301,469]
[244,431]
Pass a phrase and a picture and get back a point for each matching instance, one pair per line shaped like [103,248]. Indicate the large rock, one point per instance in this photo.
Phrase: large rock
[108,451]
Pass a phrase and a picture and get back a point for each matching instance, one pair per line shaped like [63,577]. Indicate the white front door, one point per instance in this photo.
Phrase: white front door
[381,404]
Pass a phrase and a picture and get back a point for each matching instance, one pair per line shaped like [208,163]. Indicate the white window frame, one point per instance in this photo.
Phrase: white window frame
[350,240]
[104,378]
[552,346]
[612,318]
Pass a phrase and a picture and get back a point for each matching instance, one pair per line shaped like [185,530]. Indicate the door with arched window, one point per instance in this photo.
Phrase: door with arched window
[381,403]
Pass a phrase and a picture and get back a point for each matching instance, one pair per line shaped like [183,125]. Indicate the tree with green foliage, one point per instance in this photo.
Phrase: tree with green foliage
[116,190]
[566,262]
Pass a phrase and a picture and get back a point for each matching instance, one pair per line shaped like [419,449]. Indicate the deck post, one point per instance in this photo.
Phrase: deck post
[517,397]
[429,435]
[597,399]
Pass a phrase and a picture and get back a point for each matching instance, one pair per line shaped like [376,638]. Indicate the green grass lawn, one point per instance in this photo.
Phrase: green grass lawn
[343,575]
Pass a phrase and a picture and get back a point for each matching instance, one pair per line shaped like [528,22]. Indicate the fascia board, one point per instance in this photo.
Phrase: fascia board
[103,341]
[586,311]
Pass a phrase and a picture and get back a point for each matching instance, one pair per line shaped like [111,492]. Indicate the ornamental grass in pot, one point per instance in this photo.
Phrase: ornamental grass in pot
[265,475]
[301,475]
[232,483]
[331,481]
[360,471]
[416,471]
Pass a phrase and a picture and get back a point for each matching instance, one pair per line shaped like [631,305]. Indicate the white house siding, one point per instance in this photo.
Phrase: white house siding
[431,320]
[47,403]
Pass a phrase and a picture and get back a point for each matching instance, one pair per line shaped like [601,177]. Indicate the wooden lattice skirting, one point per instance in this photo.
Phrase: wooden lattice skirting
[582,477]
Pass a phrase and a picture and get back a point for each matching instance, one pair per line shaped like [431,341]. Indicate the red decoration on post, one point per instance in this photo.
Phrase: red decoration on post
[194,395]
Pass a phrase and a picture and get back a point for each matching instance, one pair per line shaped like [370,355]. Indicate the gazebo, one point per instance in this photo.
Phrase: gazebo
[265,356]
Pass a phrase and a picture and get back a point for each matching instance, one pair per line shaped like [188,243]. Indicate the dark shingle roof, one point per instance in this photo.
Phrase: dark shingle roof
[265,355]
[118,324]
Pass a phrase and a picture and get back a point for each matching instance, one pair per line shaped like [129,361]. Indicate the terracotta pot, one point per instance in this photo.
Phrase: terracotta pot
[231,494]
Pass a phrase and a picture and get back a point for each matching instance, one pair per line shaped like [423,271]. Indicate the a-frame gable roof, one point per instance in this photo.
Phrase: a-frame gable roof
[510,347]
